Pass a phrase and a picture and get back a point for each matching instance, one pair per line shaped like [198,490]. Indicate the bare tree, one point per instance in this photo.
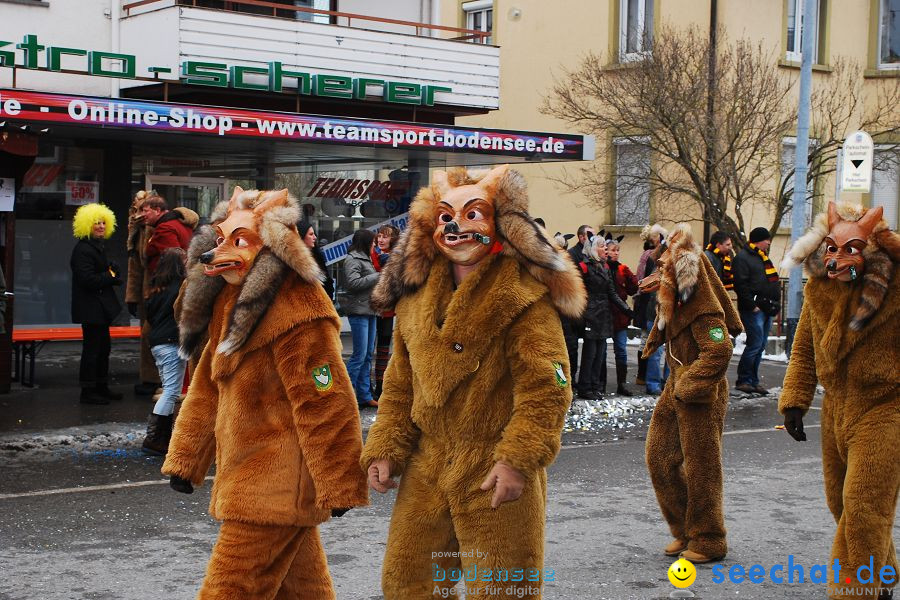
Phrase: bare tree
[660,103]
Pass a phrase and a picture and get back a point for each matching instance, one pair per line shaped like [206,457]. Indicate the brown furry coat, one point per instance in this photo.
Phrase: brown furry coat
[285,451]
[475,366]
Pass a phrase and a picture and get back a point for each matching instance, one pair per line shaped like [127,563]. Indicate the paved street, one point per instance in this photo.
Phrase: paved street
[84,515]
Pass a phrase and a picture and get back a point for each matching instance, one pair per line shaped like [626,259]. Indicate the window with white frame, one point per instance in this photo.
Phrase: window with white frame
[889,34]
[480,17]
[632,182]
[886,185]
[635,28]
[788,163]
[796,28]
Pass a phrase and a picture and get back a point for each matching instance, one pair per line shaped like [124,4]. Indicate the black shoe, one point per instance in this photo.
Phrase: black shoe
[90,396]
[104,391]
[145,388]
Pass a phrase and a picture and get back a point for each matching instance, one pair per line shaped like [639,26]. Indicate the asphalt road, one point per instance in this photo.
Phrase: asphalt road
[88,519]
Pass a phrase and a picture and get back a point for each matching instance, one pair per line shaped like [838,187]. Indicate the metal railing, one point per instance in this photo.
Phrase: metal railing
[231,5]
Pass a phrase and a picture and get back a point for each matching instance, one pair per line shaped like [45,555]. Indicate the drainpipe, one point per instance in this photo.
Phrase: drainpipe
[115,13]
[801,168]
[435,16]
[710,112]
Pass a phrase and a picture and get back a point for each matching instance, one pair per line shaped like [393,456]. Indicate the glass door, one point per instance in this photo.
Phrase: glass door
[200,194]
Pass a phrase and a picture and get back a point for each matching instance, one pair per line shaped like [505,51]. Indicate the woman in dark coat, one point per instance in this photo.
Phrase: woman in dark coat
[94,300]
[310,239]
[598,323]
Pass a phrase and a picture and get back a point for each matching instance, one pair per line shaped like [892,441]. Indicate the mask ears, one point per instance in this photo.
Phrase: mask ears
[232,204]
[869,220]
[491,181]
[440,184]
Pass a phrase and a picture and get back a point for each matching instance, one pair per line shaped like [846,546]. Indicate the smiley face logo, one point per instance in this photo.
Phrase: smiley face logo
[682,573]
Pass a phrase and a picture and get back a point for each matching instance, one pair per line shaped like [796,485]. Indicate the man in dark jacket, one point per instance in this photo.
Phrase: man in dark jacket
[574,329]
[718,251]
[169,229]
[759,299]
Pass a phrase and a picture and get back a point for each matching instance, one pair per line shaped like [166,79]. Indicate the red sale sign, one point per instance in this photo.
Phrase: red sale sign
[82,192]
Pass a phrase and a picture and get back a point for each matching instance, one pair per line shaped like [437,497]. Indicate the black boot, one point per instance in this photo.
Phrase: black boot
[159,432]
[90,396]
[103,390]
[621,378]
[642,369]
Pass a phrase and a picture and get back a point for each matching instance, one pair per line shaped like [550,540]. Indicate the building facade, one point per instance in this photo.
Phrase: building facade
[540,40]
[347,108]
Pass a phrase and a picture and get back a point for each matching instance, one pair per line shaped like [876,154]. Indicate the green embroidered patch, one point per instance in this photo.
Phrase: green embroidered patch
[717,334]
[322,378]
[561,380]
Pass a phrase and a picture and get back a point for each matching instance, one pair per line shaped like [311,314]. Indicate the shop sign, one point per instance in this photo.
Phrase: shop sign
[238,123]
[82,192]
[337,187]
[221,75]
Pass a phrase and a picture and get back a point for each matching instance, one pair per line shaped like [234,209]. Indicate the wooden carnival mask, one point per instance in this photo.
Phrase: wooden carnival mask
[845,243]
[238,239]
[465,229]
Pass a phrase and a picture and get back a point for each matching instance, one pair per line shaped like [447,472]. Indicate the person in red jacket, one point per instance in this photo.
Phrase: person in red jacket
[626,285]
[172,228]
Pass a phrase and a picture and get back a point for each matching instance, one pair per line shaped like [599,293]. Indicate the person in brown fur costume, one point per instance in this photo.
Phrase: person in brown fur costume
[137,286]
[476,392]
[270,401]
[684,443]
[850,318]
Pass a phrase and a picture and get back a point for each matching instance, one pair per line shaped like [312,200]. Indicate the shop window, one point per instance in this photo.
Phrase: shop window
[632,183]
[635,28]
[61,179]
[889,34]
[796,26]
[788,162]
[886,186]
[480,17]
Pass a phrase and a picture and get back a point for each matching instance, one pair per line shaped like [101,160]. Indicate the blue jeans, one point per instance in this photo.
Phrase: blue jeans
[171,374]
[656,373]
[359,365]
[756,325]
[620,343]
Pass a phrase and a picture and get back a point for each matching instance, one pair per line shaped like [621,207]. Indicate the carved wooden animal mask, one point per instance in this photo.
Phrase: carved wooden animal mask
[465,230]
[846,241]
[238,240]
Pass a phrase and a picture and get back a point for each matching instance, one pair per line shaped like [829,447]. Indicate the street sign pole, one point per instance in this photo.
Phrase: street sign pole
[801,168]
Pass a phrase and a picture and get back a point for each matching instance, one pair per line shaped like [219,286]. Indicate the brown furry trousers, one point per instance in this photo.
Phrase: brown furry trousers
[862,481]
[267,562]
[684,456]
[440,509]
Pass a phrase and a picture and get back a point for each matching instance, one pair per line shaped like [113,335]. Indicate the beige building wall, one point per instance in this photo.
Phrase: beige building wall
[539,39]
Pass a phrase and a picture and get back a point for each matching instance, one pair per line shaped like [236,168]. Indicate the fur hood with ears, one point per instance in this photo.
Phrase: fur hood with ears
[283,251]
[881,254]
[680,277]
[520,237]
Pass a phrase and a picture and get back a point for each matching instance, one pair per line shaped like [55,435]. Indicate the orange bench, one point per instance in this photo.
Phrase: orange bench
[27,342]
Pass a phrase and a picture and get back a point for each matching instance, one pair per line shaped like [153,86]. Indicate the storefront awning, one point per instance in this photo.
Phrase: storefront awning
[305,137]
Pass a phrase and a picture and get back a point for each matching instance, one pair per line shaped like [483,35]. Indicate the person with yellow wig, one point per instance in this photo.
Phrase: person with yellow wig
[94,300]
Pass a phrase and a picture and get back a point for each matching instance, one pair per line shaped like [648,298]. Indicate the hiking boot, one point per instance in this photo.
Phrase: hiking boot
[90,396]
[159,432]
[760,390]
[103,390]
[675,548]
[698,559]
[746,388]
